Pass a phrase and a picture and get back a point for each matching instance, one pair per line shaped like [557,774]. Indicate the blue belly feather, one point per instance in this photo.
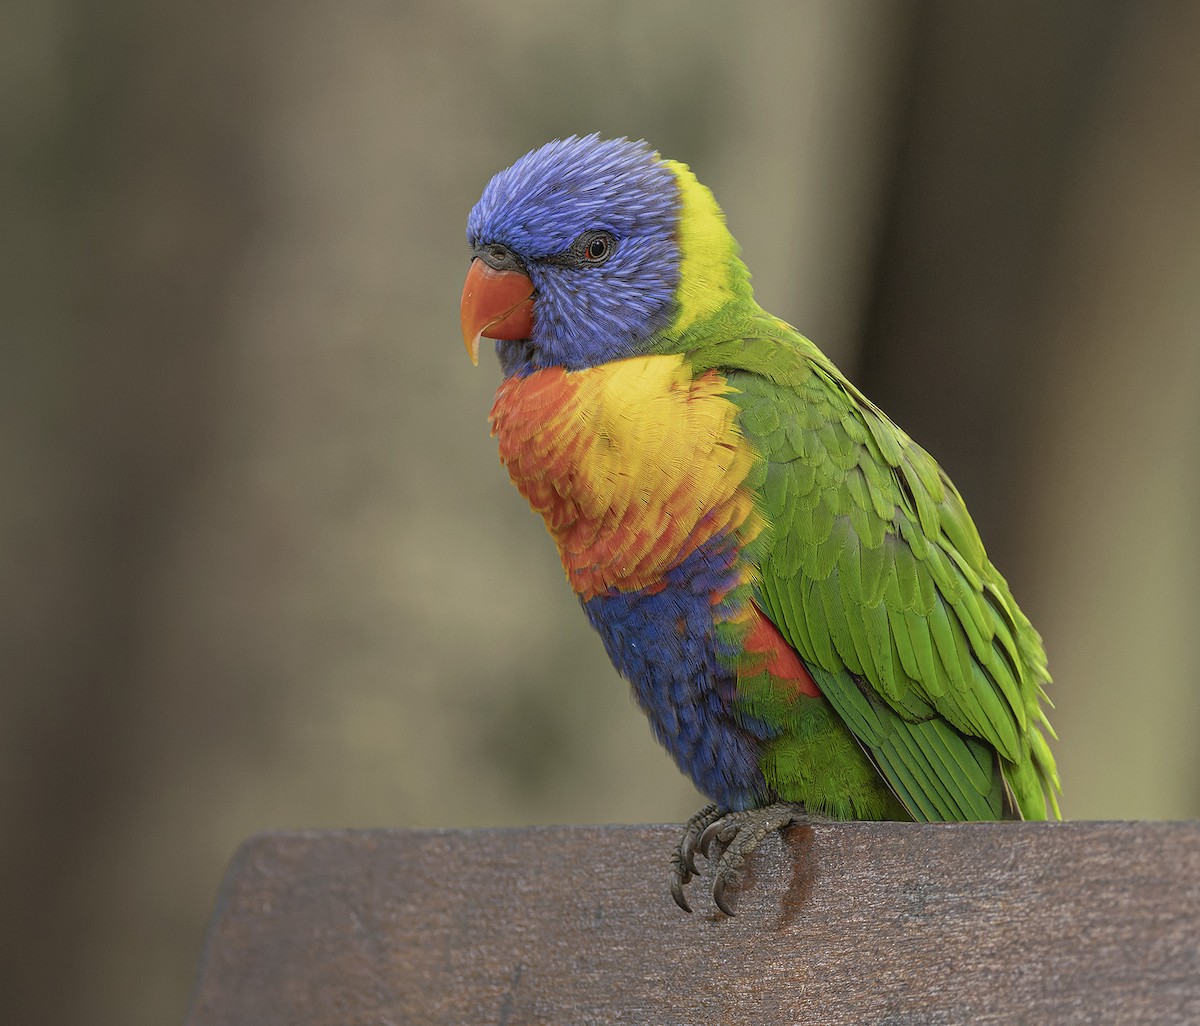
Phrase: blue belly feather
[664,642]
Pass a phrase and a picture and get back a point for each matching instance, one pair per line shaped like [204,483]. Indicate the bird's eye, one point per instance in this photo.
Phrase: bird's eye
[589,249]
[596,247]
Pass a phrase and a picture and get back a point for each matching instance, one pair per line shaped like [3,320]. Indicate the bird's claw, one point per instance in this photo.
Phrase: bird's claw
[719,833]
[719,885]
[729,838]
[679,879]
[683,859]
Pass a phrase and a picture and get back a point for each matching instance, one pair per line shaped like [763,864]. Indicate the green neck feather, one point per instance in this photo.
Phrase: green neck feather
[717,322]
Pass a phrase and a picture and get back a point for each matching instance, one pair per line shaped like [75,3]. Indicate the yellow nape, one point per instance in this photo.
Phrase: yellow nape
[709,269]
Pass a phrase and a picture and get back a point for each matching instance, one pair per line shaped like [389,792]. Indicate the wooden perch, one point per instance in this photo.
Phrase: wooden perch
[840,923]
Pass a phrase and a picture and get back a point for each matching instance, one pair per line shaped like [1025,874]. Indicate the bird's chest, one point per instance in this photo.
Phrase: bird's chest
[642,477]
[634,466]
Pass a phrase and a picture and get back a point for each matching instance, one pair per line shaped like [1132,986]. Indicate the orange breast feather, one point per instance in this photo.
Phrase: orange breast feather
[633,465]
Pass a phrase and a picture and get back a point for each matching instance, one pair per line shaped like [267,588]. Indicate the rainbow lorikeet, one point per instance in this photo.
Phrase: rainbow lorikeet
[791,585]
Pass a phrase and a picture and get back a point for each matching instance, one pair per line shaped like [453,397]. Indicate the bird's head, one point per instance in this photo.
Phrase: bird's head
[589,250]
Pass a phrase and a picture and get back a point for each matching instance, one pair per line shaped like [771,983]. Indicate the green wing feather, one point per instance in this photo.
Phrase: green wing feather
[876,575]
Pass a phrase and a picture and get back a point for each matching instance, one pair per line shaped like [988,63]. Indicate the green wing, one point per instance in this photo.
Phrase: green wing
[876,575]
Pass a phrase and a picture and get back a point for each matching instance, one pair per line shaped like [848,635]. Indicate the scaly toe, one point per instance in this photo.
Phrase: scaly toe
[732,839]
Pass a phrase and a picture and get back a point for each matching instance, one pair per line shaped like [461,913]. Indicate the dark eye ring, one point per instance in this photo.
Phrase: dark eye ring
[596,247]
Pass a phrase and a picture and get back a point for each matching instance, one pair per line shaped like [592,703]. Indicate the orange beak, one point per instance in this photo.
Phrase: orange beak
[498,304]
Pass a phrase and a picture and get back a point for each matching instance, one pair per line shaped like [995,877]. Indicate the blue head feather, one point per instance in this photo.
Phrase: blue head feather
[588,315]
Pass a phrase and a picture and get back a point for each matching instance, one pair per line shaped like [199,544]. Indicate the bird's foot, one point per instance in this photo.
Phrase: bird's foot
[683,859]
[729,838]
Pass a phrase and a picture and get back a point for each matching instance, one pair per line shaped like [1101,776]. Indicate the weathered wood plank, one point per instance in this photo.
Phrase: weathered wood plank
[842,923]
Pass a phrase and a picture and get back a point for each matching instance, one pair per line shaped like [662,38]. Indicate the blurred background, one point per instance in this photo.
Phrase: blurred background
[259,565]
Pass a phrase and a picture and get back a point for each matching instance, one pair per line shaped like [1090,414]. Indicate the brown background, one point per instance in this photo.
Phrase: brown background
[259,566]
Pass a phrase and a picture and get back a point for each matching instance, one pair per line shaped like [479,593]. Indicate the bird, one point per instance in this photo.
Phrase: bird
[791,585]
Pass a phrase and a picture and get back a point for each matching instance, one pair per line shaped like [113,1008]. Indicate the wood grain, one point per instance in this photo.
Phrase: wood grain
[840,923]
